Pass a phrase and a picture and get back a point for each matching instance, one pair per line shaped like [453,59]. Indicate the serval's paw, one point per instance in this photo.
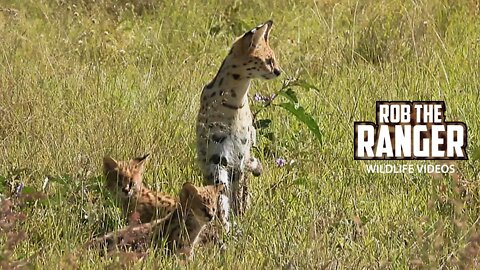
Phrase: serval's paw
[254,165]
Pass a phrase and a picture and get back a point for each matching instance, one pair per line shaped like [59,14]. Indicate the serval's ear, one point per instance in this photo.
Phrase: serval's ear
[252,39]
[259,34]
[139,162]
[188,191]
[109,164]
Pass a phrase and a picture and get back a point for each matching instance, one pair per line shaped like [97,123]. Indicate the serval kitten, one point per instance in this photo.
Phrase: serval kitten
[179,231]
[225,132]
[138,203]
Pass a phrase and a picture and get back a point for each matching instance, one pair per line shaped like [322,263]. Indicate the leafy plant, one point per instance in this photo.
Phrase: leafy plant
[291,104]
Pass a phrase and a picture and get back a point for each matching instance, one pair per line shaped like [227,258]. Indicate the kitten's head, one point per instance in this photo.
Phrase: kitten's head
[124,178]
[202,201]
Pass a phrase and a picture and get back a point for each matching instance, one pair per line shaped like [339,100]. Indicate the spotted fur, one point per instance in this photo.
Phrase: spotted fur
[225,133]
[139,204]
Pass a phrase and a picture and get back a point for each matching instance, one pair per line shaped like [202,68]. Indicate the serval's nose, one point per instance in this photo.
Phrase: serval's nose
[277,71]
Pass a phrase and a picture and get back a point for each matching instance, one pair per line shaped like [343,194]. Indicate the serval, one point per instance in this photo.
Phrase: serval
[225,132]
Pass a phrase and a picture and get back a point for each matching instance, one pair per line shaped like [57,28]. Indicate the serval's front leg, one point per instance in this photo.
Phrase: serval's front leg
[221,175]
[252,164]
[240,196]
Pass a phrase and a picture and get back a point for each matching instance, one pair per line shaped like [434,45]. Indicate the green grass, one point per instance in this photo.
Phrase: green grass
[80,81]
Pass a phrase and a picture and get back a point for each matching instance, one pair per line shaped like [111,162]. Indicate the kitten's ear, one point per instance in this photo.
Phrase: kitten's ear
[139,162]
[109,164]
[259,34]
[188,190]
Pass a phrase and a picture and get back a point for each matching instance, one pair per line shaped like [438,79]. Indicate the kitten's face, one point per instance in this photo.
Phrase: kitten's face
[202,201]
[124,179]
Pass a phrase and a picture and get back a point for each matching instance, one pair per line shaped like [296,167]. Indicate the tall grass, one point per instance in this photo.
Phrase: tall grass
[83,79]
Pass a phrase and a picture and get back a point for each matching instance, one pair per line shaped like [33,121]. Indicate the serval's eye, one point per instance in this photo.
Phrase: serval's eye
[269,61]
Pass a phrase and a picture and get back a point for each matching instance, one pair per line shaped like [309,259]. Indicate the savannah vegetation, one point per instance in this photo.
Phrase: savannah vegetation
[83,79]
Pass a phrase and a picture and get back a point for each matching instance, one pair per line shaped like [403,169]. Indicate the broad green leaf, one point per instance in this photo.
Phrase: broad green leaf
[290,94]
[299,112]
[262,123]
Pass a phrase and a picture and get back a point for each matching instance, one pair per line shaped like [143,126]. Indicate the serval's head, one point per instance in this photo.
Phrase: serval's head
[124,178]
[201,201]
[253,55]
